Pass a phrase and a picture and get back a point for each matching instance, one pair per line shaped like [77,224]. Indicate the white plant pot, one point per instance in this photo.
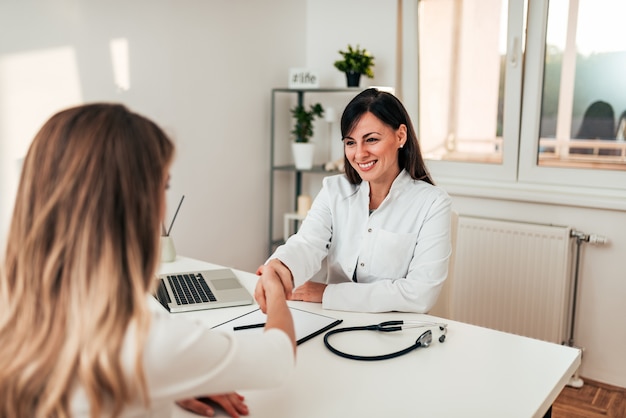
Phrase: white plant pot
[303,154]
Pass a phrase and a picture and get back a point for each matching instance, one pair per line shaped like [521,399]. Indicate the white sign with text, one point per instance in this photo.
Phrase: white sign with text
[303,78]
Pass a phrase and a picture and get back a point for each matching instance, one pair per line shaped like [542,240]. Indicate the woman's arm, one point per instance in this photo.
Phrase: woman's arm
[278,316]
[271,292]
[203,362]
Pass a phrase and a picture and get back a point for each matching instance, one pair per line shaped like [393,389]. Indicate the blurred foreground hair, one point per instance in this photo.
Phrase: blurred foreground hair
[82,250]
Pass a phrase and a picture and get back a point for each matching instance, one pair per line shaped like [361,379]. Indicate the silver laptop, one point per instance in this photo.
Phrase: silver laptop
[197,290]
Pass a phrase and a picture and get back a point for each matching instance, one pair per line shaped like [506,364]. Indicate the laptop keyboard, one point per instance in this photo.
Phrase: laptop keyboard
[190,288]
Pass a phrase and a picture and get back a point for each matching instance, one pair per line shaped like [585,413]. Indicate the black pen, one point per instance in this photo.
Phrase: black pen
[248,326]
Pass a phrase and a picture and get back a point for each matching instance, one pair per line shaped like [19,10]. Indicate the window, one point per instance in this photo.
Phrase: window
[523,91]
[469,87]
[462,79]
[584,86]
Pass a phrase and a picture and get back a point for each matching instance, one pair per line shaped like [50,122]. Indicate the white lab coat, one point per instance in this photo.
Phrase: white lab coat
[400,251]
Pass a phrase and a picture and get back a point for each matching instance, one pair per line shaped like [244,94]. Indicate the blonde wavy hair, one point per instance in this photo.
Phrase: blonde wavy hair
[81,255]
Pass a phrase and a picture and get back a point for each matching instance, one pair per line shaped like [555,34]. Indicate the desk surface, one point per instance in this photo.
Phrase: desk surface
[477,372]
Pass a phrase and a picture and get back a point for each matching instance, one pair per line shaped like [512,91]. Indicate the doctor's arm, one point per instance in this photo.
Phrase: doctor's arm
[309,291]
[301,256]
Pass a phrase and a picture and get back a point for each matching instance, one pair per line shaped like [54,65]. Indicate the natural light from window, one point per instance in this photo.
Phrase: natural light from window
[34,85]
[462,49]
[120,60]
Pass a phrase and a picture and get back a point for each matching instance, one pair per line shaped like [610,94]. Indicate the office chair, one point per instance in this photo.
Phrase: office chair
[620,134]
[443,307]
[598,123]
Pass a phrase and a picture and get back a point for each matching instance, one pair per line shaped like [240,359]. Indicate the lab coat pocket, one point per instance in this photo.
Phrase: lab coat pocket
[392,253]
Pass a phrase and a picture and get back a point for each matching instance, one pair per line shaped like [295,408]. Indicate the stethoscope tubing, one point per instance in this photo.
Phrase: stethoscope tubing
[423,340]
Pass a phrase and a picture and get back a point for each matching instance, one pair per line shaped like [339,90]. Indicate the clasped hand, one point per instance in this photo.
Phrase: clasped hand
[275,273]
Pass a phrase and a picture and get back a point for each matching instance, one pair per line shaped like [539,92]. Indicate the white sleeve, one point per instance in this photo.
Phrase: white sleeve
[184,359]
[304,251]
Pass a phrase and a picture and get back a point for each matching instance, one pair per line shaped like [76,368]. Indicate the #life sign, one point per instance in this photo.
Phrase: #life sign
[300,78]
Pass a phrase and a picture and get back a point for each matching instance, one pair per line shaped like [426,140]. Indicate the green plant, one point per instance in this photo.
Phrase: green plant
[356,60]
[303,128]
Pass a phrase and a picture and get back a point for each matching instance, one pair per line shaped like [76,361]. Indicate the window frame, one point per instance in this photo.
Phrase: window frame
[612,181]
[506,170]
[519,177]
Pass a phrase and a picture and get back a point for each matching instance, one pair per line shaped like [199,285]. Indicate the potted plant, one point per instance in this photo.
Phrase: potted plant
[303,131]
[356,61]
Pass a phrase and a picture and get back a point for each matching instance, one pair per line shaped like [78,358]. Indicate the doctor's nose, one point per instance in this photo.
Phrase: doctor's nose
[361,151]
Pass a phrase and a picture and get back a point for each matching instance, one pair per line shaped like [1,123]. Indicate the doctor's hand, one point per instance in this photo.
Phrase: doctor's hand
[309,292]
[232,403]
[274,276]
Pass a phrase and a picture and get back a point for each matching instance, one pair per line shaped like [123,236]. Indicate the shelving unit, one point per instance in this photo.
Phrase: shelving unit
[283,165]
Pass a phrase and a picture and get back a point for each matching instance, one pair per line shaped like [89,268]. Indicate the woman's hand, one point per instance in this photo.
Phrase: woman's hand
[309,292]
[272,290]
[273,274]
[232,403]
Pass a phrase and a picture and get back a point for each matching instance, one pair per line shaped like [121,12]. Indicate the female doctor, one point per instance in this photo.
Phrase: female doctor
[383,228]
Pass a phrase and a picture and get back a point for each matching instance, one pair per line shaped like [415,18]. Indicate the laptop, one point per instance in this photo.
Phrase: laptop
[197,290]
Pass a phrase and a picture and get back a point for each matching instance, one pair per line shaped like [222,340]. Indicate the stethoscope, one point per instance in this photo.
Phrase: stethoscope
[424,340]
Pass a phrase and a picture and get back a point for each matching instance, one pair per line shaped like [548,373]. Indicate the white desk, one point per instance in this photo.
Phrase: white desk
[477,372]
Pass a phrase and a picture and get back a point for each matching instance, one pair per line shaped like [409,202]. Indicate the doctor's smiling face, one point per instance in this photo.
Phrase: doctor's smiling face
[372,147]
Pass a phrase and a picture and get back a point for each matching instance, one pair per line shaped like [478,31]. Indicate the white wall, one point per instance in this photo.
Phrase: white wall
[332,25]
[204,70]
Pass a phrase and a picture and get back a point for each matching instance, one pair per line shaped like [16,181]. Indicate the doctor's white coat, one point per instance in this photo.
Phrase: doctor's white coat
[400,251]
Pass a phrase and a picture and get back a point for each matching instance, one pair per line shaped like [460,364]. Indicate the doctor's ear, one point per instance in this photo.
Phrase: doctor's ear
[401,134]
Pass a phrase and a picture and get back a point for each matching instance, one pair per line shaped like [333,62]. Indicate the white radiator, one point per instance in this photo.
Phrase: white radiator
[512,277]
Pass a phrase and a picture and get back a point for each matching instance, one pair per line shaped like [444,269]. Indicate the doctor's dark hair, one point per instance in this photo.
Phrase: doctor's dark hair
[386,107]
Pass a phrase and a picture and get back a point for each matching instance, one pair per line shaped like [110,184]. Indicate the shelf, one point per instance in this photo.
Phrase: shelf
[291,224]
[315,169]
[278,242]
[290,218]
[320,90]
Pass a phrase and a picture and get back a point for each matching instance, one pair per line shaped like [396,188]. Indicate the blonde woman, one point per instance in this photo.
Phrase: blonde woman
[79,336]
